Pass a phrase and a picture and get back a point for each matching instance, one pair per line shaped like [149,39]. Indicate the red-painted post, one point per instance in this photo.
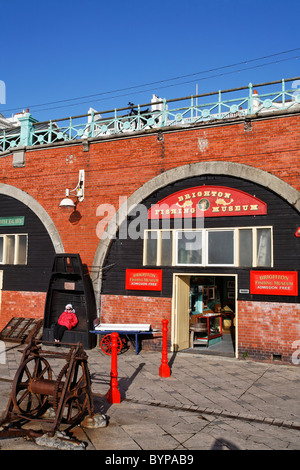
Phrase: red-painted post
[164,370]
[113,395]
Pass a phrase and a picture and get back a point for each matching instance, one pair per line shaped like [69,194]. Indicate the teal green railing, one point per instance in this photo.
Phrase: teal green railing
[233,103]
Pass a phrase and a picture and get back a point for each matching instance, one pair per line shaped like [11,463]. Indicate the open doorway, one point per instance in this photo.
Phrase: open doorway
[204,314]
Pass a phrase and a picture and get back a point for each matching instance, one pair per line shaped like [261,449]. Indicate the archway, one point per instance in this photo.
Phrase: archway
[255,175]
[40,212]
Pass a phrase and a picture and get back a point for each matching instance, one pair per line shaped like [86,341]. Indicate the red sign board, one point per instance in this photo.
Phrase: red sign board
[207,201]
[144,279]
[274,282]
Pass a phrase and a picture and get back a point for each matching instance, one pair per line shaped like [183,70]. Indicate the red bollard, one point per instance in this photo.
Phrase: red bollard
[113,395]
[164,370]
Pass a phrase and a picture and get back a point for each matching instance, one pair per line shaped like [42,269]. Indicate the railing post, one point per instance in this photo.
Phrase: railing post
[250,99]
[283,93]
[116,121]
[27,128]
[92,126]
[4,141]
[164,370]
[70,128]
[164,113]
[139,118]
[113,395]
[192,108]
[50,133]
[220,103]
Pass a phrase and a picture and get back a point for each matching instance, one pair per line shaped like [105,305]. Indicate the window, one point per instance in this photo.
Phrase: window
[245,247]
[220,247]
[10,249]
[166,247]
[256,247]
[188,247]
[205,247]
[13,249]
[150,253]
[263,247]
[158,247]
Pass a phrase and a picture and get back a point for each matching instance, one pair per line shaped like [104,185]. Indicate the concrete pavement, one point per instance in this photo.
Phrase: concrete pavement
[207,403]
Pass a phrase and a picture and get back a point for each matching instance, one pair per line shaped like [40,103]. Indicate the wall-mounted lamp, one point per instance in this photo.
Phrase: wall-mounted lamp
[78,192]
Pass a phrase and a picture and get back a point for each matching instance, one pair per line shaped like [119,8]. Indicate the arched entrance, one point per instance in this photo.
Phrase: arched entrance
[227,253]
[255,175]
[38,210]
[28,242]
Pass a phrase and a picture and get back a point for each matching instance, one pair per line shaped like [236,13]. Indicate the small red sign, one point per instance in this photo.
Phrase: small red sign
[274,282]
[207,201]
[144,279]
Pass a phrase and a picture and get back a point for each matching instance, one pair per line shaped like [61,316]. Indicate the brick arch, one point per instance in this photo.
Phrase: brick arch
[238,170]
[38,210]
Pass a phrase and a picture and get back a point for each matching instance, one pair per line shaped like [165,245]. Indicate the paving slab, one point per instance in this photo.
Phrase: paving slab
[208,403]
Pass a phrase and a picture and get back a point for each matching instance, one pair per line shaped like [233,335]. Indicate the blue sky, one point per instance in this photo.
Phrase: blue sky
[56,54]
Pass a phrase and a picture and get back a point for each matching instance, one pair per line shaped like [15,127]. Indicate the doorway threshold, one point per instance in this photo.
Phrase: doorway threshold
[224,348]
[207,352]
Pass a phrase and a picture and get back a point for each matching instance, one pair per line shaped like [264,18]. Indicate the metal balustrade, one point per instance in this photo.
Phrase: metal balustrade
[216,106]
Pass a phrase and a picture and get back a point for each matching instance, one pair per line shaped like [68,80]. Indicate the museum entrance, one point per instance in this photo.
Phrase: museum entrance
[204,314]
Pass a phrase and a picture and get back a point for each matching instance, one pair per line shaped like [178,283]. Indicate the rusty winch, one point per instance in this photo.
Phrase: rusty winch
[37,397]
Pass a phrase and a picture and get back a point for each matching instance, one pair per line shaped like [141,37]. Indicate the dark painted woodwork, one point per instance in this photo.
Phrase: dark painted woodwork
[34,276]
[70,283]
[284,219]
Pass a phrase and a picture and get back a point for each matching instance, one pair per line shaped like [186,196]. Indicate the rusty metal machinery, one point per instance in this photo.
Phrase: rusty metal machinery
[38,397]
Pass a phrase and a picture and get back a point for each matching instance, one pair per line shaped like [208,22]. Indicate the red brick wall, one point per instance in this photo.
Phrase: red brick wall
[127,309]
[21,304]
[268,328]
[119,167]
[263,329]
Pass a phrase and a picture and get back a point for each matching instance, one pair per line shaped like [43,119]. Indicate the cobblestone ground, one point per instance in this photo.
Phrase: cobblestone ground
[208,403]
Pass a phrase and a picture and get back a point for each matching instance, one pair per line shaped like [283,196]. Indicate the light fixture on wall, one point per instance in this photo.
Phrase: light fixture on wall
[78,192]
